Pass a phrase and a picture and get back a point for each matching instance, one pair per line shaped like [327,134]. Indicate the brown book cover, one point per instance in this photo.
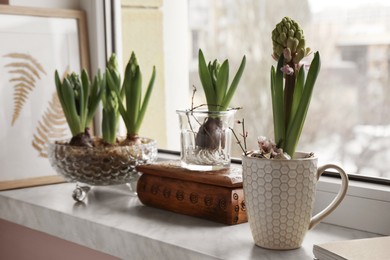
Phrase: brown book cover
[216,196]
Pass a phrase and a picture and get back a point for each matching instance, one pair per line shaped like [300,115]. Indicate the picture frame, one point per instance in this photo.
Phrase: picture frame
[35,42]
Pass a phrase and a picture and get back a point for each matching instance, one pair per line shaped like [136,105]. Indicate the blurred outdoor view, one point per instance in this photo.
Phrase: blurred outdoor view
[349,117]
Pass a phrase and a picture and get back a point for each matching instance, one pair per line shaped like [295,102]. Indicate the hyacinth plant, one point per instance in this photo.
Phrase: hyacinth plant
[291,88]
[215,82]
[110,101]
[291,91]
[132,109]
[79,99]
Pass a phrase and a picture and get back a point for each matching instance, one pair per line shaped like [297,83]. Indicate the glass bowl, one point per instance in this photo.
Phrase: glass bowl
[101,165]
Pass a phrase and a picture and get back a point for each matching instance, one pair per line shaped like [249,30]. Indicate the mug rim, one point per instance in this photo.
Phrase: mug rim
[301,157]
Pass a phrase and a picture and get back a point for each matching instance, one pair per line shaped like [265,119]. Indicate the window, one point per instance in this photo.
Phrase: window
[348,121]
[367,205]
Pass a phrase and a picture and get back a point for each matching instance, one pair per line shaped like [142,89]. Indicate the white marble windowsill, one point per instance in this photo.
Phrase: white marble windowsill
[113,222]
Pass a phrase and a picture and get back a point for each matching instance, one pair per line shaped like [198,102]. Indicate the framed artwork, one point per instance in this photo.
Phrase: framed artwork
[34,43]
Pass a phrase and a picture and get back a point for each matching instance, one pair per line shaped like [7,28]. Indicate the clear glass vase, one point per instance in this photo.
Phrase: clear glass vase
[205,139]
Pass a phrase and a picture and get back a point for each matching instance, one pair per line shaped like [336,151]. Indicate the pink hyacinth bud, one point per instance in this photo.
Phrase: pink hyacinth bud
[287,54]
[286,69]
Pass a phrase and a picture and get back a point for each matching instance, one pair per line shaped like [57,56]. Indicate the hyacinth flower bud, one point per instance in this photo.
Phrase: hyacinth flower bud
[214,70]
[112,66]
[287,54]
[286,69]
[133,65]
[292,44]
[75,83]
[299,56]
[288,34]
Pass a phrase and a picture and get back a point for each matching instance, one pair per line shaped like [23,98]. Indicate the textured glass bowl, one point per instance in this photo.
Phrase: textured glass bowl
[101,165]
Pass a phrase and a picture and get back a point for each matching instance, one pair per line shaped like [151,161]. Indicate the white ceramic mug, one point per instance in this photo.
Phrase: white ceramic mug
[279,198]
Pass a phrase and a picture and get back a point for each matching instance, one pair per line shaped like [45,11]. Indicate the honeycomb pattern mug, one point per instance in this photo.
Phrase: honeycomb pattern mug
[279,198]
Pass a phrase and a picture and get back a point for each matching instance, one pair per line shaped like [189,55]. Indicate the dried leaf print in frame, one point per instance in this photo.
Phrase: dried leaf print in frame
[34,43]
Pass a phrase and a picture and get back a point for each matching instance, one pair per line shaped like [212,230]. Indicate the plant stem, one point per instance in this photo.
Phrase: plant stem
[289,94]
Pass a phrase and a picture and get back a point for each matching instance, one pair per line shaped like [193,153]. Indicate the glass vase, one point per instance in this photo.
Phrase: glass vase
[205,139]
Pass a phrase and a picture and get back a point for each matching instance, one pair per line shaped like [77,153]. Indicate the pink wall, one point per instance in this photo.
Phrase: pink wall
[19,243]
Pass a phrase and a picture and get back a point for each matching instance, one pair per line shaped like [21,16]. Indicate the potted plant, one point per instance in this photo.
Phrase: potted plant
[279,184]
[205,135]
[133,108]
[106,160]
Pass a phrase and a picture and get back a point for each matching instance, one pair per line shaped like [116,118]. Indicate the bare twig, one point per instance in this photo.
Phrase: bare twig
[193,96]
[244,136]
[244,133]
[238,141]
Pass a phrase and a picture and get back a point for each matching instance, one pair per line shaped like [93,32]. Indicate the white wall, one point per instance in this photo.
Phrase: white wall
[176,51]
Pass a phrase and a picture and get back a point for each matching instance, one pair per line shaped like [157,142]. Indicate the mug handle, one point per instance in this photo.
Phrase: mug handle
[337,200]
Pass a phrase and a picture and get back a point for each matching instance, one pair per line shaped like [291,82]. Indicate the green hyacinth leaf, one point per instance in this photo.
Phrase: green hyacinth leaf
[206,80]
[294,132]
[300,81]
[222,83]
[278,102]
[146,100]
[234,84]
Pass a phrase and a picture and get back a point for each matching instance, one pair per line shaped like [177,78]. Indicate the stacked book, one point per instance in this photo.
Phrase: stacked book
[361,249]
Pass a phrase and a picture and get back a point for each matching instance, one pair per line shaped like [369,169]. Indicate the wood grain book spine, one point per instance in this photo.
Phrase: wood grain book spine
[217,203]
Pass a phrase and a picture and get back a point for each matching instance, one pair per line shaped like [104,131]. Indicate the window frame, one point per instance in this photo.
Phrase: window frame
[365,207]
[367,203]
